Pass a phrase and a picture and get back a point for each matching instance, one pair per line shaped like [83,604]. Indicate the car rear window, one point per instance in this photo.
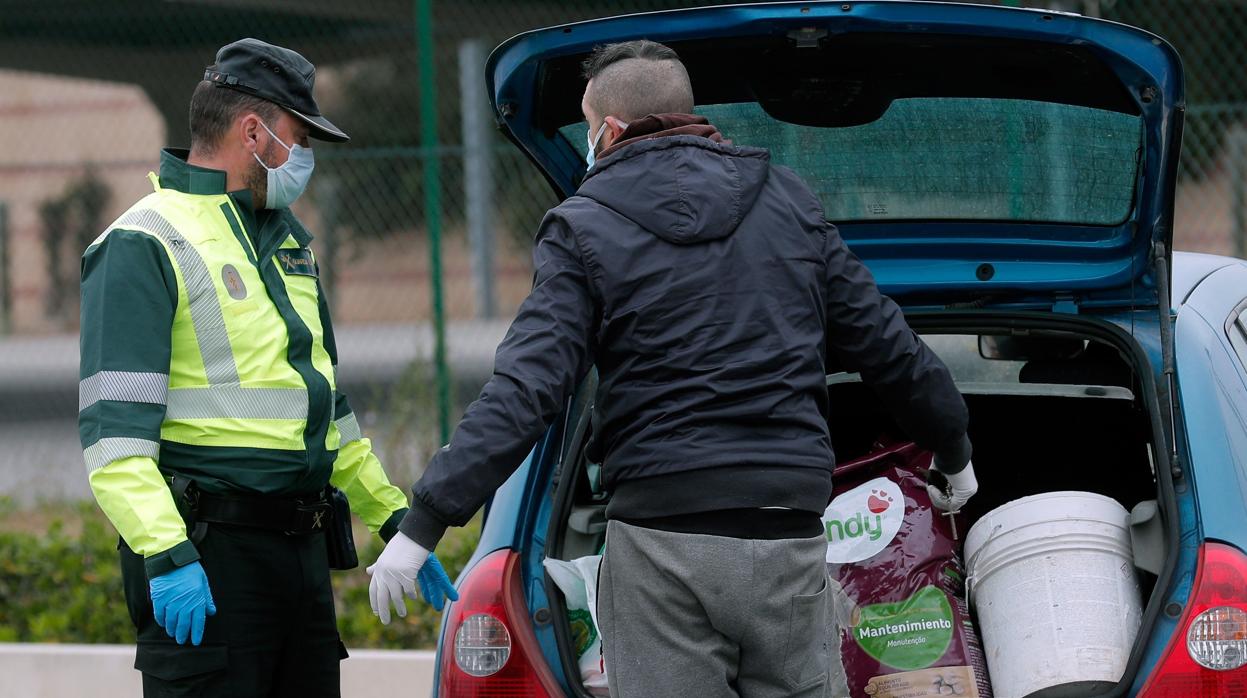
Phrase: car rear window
[953,159]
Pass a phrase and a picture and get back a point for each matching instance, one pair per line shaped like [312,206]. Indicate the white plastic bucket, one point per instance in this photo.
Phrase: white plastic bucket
[1052,578]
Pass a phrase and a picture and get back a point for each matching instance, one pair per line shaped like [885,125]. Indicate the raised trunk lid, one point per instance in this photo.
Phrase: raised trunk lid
[967,153]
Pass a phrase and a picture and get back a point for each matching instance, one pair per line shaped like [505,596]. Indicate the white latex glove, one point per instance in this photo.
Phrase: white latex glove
[962,484]
[394,574]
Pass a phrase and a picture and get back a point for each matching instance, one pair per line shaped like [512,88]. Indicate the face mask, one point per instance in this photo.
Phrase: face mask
[287,182]
[593,142]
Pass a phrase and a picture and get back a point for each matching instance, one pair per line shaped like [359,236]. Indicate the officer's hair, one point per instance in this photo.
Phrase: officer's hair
[214,109]
[633,79]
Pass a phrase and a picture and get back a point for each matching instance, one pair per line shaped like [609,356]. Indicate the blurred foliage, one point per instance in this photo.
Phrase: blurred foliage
[378,103]
[62,584]
[409,432]
[70,222]
[60,581]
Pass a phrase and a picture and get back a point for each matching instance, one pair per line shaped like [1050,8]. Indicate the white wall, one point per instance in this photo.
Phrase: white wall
[106,671]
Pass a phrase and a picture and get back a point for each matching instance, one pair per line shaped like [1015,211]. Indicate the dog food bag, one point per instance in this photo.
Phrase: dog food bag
[908,632]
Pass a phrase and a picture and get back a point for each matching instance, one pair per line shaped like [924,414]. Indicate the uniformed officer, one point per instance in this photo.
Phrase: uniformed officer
[209,412]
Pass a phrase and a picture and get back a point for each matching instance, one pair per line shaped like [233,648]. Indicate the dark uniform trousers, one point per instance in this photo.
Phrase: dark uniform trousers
[274,632]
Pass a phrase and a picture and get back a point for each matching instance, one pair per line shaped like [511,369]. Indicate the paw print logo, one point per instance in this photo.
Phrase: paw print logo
[878,502]
[948,686]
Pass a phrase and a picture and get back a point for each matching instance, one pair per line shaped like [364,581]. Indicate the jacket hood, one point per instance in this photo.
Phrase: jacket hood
[659,125]
[681,188]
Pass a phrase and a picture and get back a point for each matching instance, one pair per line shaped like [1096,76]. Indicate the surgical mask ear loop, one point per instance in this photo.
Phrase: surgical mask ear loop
[287,182]
[591,157]
[288,148]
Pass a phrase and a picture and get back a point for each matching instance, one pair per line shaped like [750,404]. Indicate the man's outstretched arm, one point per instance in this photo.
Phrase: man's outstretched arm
[546,351]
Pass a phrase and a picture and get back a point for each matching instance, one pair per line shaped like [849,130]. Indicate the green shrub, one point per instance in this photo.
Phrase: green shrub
[60,582]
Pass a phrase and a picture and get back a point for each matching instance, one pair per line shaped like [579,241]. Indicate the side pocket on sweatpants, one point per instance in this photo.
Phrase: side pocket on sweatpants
[807,658]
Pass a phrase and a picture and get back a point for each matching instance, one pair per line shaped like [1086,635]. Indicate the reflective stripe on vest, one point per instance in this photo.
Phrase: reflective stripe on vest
[348,428]
[205,306]
[236,402]
[123,386]
[109,449]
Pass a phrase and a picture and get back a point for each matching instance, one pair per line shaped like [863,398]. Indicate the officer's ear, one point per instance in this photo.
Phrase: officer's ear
[248,128]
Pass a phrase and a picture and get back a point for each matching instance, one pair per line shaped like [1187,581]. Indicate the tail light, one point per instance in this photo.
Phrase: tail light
[1207,657]
[489,649]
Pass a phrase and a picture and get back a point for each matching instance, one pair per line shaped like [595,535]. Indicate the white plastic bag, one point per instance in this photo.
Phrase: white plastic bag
[578,580]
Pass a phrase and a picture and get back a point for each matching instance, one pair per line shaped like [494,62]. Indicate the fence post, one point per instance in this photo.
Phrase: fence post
[6,274]
[433,203]
[1236,149]
[477,172]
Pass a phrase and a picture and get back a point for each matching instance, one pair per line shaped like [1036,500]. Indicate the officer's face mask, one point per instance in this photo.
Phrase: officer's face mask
[591,158]
[287,182]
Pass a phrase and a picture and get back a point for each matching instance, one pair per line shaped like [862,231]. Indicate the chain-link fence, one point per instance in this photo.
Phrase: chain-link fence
[89,93]
[1210,213]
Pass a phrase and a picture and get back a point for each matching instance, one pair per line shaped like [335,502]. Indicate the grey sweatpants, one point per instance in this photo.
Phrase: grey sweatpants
[708,616]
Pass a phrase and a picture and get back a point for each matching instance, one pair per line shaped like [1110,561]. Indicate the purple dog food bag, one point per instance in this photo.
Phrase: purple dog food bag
[905,626]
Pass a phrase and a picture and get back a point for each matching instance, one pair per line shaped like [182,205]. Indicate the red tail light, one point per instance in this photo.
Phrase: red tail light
[1213,633]
[489,649]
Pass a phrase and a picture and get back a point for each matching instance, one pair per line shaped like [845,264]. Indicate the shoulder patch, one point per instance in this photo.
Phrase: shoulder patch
[297,261]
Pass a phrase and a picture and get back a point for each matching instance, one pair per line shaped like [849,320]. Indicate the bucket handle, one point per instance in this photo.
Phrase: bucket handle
[970,564]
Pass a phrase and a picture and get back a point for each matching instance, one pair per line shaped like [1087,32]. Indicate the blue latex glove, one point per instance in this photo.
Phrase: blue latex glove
[181,602]
[435,586]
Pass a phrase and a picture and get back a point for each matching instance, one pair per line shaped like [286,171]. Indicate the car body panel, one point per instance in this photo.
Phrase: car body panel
[1212,382]
[512,523]
[1189,269]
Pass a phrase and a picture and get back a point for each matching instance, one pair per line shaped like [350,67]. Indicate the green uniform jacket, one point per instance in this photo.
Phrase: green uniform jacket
[207,351]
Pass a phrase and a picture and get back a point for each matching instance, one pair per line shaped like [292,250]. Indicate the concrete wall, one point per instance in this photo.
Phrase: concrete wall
[54,129]
[106,671]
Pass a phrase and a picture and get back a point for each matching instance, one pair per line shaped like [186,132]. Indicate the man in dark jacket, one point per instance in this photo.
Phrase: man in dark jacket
[708,289]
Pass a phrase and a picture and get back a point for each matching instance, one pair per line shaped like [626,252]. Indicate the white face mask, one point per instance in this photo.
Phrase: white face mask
[287,182]
[593,142]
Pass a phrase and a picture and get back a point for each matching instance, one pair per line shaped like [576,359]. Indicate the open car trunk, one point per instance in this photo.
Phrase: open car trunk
[1089,422]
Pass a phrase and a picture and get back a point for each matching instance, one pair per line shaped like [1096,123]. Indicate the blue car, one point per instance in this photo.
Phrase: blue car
[1008,175]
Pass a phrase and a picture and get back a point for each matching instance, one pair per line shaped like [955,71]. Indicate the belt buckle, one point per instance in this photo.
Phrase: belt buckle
[310,518]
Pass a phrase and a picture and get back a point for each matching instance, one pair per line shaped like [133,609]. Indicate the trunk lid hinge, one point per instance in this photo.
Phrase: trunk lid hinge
[1065,304]
[1160,259]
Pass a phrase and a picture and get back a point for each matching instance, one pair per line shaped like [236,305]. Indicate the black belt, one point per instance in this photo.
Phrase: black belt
[748,524]
[293,516]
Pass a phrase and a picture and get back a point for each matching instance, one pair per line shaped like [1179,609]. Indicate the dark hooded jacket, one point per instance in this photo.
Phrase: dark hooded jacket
[708,289]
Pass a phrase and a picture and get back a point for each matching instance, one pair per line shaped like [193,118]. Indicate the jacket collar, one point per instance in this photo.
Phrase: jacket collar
[662,125]
[178,174]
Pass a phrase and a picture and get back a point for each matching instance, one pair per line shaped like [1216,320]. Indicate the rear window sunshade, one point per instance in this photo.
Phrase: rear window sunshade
[953,158]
